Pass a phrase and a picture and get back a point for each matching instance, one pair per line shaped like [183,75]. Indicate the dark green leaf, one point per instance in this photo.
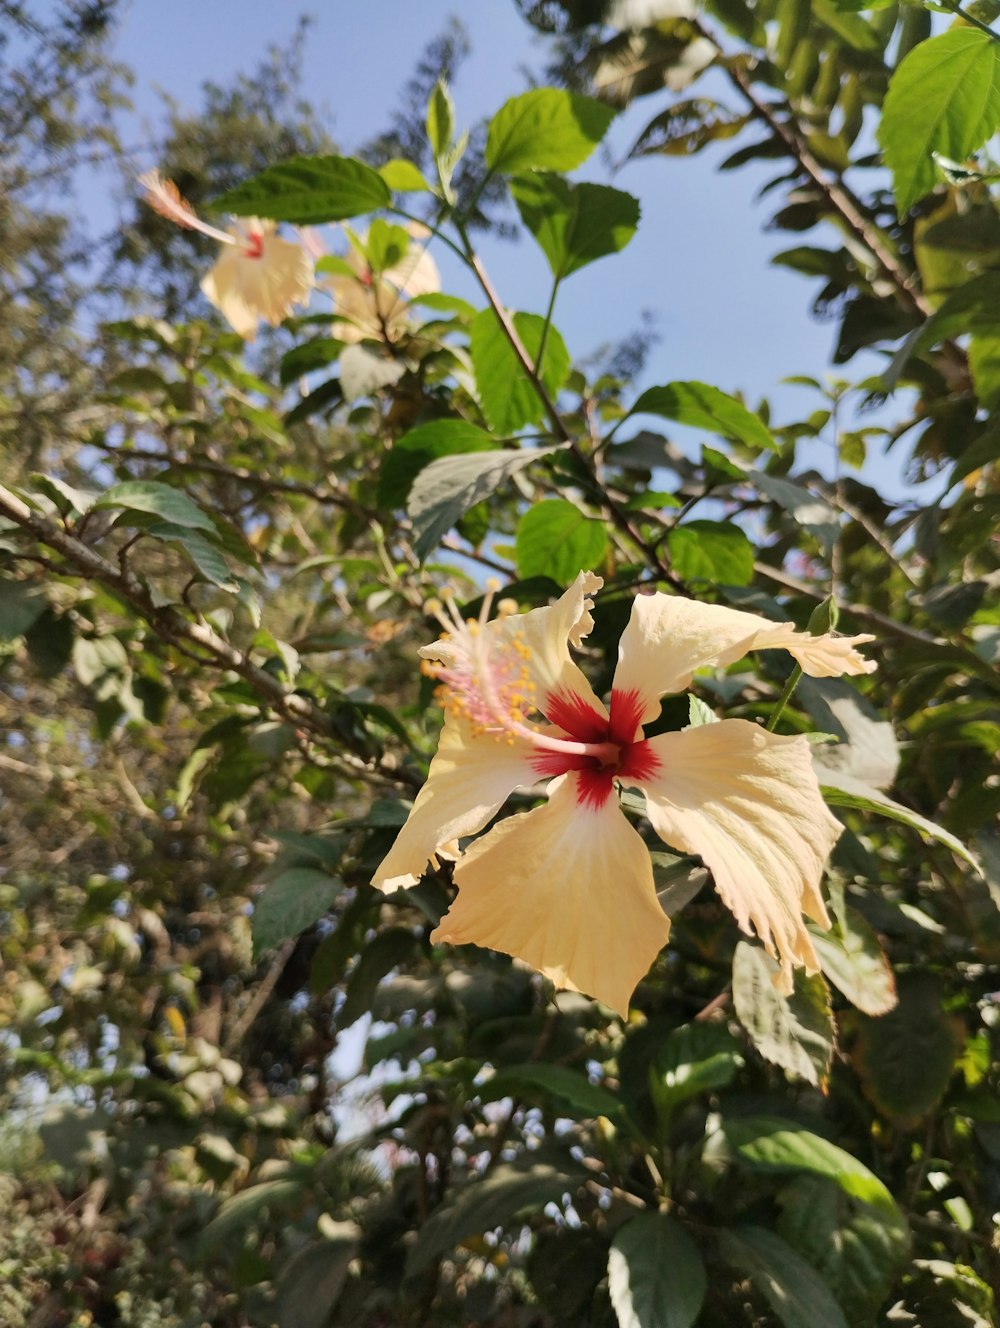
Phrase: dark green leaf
[796,1292]
[159,500]
[944,97]
[205,556]
[695,1058]
[419,448]
[575,224]
[379,957]
[242,1208]
[309,191]
[655,1274]
[705,407]
[21,603]
[312,1279]
[556,539]
[508,398]
[545,129]
[795,1032]
[583,1099]
[308,357]
[686,127]
[291,903]
[811,512]
[711,551]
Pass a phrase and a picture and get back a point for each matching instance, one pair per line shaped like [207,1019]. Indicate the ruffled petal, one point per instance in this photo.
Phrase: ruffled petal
[748,802]
[469,780]
[568,888]
[540,639]
[668,638]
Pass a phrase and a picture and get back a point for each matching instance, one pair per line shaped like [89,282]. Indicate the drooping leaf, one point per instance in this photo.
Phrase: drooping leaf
[293,901]
[705,407]
[795,1291]
[379,957]
[545,129]
[655,1274]
[574,224]
[711,551]
[854,961]
[236,1212]
[556,539]
[309,191]
[448,487]
[508,398]
[944,97]
[157,499]
[484,1204]
[795,1032]
[810,511]
[205,556]
[868,749]
[21,604]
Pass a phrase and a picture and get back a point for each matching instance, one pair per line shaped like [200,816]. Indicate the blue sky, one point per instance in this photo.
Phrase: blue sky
[699,262]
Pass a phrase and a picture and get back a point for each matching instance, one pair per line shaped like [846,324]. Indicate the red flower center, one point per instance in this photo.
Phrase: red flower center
[253,245]
[631,756]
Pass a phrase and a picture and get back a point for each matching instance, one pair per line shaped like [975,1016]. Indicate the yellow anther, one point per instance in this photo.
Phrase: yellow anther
[505,607]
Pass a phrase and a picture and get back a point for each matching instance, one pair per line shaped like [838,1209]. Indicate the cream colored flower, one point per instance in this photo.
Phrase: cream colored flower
[257,275]
[374,306]
[568,887]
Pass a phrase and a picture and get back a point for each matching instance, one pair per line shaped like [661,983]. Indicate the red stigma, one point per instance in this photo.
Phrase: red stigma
[254,245]
[581,723]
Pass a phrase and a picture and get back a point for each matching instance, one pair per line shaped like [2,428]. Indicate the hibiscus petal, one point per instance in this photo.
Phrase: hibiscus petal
[246,287]
[668,638]
[749,803]
[568,888]
[469,780]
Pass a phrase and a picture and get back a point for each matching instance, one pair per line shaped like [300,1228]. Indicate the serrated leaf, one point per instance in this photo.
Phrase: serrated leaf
[292,902]
[575,224]
[159,500]
[711,551]
[699,713]
[507,396]
[854,961]
[545,129]
[556,539]
[705,407]
[448,487]
[795,1032]
[656,1277]
[419,448]
[584,1099]
[840,790]
[795,1291]
[309,191]
[944,97]
[484,1204]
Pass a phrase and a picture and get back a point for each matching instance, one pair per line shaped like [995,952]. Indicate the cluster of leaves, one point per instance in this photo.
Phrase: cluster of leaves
[209,616]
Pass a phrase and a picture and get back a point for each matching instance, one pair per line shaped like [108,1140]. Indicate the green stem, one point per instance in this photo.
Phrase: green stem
[540,358]
[958,11]
[791,682]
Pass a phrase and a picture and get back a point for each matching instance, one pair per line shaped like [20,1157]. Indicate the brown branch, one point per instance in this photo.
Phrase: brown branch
[180,632]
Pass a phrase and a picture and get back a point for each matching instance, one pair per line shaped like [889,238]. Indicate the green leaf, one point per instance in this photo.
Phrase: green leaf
[840,790]
[403,177]
[292,903]
[811,512]
[694,1059]
[795,1032]
[945,98]
[545,129]
[686,127]
[556,539]
[796,1292]
[308,357]
[205,556]
[236,1212]
[906,1058]
[705,407]
[419,448]
[711,551]
[484,1204]
[769,1144]
[309,191]
[584,1099]
[363,372]
[380,956]
[312,1279]
[656,1277]
[440,119]
[159,500]
[21,604]
[699,712]
[854,961]
[507,396]
[67,499]
[984,362]
[575,224]
[448,487]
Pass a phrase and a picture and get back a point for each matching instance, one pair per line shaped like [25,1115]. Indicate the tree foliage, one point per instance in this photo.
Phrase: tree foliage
[213,586]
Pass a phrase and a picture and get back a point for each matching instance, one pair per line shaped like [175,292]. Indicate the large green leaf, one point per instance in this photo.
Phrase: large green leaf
[796,1292]
[795,1032]
[944,98]
[446,489]
[695,1058]
[506,394]
[309,191]
[292,902]
[419,448]
[705,407]
[575,224]
[312,1279]
[157,499]
[655,1274]
[545,129]
[484,1204]
[711,551]
[556,539]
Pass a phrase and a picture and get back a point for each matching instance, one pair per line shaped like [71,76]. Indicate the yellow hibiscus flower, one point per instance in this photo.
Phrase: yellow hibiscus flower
[375,306]
[568,887]
[257,275]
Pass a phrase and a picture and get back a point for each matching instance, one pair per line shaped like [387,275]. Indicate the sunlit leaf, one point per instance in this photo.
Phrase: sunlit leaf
[556,539]
[309,191]
[545,129]
[655,1274]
